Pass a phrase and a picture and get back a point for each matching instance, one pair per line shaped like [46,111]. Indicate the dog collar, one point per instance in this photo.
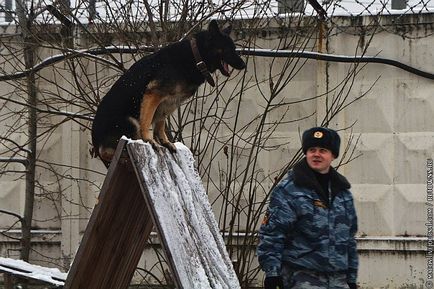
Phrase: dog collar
[201,66]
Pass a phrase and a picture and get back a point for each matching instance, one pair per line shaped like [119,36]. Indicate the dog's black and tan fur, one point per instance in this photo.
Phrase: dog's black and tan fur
[156,85]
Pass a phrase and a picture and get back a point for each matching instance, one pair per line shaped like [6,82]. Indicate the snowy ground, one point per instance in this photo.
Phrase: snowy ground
[29,271]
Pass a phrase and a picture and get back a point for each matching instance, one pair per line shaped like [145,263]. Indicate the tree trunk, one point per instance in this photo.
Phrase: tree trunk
[25,23]
[31,155]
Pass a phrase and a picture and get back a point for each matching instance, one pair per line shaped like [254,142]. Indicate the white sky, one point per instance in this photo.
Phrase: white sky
[111,10]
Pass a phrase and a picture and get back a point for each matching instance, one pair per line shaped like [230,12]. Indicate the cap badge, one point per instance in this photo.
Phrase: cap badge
[318,134]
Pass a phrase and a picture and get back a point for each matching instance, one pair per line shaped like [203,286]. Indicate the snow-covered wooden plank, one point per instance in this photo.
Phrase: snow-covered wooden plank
[26,270]
[116,234]
[144,188]
[183,216]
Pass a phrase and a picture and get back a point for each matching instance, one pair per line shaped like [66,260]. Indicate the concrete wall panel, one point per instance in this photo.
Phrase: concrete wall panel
[374,206]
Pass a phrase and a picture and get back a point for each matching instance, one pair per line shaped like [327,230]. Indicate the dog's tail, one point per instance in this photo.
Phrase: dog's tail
[95,154]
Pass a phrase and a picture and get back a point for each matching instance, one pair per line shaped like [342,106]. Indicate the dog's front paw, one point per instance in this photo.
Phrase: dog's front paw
[154,144]
[170,146]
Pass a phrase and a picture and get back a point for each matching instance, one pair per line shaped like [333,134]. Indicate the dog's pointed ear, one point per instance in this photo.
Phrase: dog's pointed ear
[227,30]
[213,28]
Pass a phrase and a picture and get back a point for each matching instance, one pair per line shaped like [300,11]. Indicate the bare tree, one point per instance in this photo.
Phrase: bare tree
[25,22]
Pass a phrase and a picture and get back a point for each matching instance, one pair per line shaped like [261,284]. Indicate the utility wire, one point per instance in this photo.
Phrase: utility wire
[252,52]
[335,58]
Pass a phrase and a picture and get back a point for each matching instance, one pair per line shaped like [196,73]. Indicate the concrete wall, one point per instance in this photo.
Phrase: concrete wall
[396,144]
[393,122]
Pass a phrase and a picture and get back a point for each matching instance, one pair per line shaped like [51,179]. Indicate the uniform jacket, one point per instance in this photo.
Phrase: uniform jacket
[308,228]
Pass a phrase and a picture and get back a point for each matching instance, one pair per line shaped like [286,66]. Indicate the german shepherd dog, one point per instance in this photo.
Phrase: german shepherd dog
[156,85]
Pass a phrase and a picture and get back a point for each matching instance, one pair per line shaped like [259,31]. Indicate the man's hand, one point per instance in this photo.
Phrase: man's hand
[274,282]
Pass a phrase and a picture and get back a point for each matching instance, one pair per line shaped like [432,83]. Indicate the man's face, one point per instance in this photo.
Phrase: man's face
[319,159]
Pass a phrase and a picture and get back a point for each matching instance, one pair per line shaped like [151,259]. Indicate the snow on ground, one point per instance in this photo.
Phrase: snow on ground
[187,224]
[26,270]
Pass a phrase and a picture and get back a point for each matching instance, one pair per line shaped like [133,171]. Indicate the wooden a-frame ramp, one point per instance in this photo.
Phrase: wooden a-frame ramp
[143,189]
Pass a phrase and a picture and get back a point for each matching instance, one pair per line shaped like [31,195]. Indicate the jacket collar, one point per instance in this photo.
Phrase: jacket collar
[305,177]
